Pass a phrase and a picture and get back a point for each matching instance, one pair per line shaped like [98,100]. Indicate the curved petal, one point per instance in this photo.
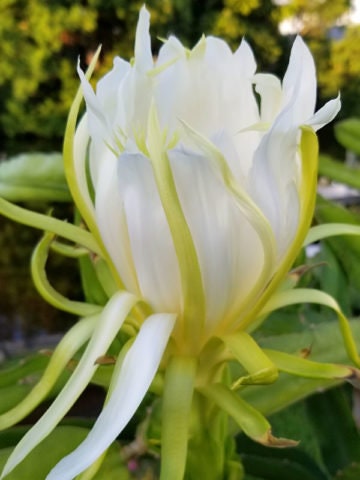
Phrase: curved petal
[108,85]
[99,155]
[149,234]
[237,151]
[102,111]
[97,121]
[276,162]
[326,114]
[213,77]
[245,58]
[269,88]
[170,50]
[229,249]
[172,83]
[135,91]
[109,323]
[112,223]
[275,168]
[128,391]
[143,54]
[133,102]
[299,84]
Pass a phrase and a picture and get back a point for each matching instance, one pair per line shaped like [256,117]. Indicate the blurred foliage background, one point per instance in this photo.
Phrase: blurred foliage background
[41,40]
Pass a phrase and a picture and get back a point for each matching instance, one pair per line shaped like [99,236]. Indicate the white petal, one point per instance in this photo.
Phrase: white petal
[136,374]
[97,122]
[108,85]
[99,155]
[218,80]
[229,251]
[102,115]
[143,54]
[217,50]
[326,114]
[230,148]
[170,50]
[111,220]
[172,85]
[150,239]
[299,84]
[110,321]
[171,82]
[276,164]
[269,88]
[245,57]
[275,167]
[133,101]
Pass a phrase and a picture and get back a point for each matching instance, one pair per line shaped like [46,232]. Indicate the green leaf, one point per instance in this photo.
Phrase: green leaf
[11,436]
[17,370]
[13,394]
[59,443]
[38,464]
[347,133]
[303,462]
[339,171]
[34,176]
[339,438]
[262,463]
[331,276]
[351,472]
[346,248]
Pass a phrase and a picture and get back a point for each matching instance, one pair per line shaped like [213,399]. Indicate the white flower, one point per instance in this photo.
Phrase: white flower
[202,200]
[207,92]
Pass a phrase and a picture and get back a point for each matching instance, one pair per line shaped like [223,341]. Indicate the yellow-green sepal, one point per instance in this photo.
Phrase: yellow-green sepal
[44,222]
[249,420]
[326,230]
[190,272]
[302,367]
[68,346]
[38,262]
[307,295]
[76,176]
[255,361]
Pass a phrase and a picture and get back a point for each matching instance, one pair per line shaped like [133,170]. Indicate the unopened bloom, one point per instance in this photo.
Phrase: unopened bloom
[201,196]
[188,125]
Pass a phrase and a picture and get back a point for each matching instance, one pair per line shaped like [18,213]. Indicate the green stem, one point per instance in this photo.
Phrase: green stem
[178,394]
